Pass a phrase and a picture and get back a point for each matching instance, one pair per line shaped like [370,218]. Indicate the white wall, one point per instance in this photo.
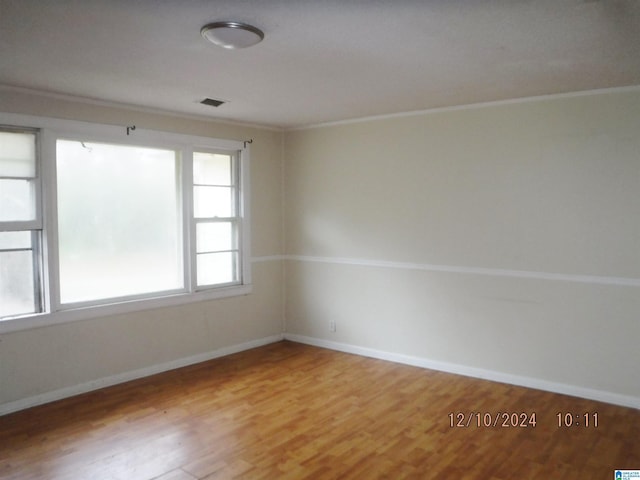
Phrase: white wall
[502,239]
[45,363]
[511,233]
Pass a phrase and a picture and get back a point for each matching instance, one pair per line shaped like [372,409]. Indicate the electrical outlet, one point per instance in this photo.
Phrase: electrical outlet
[332,325]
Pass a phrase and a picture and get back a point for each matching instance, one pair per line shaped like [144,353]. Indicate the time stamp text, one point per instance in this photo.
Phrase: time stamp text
[520,420]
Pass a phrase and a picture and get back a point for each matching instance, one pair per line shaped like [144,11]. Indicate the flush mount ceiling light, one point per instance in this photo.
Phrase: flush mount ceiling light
[232,35]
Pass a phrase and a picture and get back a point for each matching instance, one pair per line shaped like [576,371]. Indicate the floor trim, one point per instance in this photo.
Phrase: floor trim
[522,381]
[529,382]
[132,375]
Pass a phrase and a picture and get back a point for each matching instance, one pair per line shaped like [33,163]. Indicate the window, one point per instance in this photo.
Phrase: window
[128,222]
[119,221]
[20,225]
[215,194]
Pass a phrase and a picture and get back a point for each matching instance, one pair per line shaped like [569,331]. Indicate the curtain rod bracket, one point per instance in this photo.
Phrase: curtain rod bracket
[247,141]
[130,129]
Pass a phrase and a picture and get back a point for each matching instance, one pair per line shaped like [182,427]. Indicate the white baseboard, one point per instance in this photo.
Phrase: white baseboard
[598,395]
[529,382]
[132,375]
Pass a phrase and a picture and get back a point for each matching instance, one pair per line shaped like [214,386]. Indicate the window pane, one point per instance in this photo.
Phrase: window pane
[119,226]
[216,268]
[210,202]
[15,240]
[16,283]
[213,237]
[16,200]
[17,154]
[211,169]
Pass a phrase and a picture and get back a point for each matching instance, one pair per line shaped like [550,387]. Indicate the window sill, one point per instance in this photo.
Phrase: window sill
[38,320]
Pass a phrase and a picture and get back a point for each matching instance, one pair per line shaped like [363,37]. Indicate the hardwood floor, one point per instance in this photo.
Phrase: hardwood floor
[291,411]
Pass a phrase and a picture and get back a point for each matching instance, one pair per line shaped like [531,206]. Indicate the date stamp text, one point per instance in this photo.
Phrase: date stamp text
[492,420]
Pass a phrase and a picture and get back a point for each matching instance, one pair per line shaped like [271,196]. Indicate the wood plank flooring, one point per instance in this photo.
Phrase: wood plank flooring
[291,411]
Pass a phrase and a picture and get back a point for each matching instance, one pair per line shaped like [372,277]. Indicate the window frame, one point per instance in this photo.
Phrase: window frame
[36,223]
[49,131]
[234,219]
[35,226]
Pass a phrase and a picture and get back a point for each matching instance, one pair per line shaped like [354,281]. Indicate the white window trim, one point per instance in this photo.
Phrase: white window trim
[50,130]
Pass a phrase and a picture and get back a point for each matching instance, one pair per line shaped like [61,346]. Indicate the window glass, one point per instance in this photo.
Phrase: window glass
[118,221]
[216,268]
[17,154]
[214,236]
[11,240]
[16,200]
[17,294]
[211,169]
[211,202]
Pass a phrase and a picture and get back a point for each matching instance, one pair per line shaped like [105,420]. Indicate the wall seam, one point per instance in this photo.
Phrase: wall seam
[283,237]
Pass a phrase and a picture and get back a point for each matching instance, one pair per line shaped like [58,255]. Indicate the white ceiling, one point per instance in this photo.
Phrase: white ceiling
[322,60]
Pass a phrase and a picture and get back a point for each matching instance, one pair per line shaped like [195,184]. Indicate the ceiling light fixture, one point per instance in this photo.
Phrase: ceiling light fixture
[232,35]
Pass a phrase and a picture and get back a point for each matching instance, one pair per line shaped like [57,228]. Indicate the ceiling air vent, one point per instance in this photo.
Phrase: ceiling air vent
[211,102]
